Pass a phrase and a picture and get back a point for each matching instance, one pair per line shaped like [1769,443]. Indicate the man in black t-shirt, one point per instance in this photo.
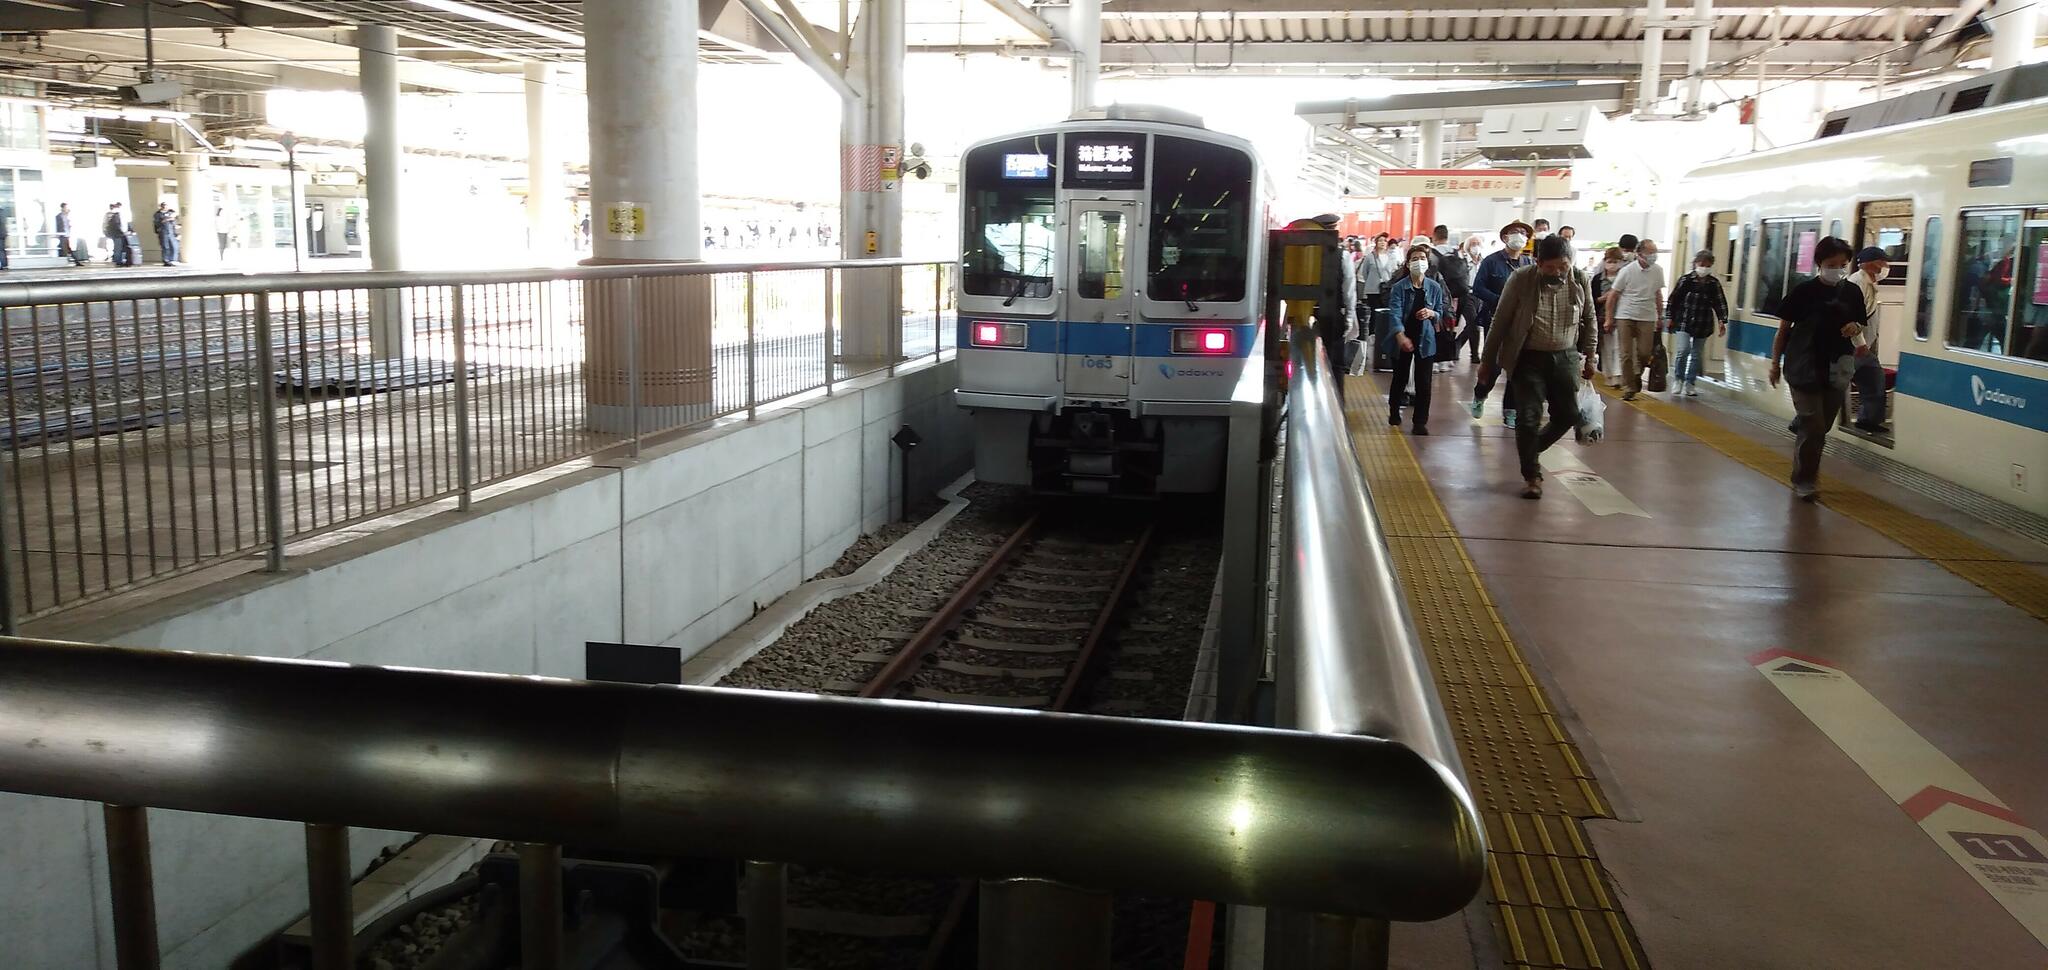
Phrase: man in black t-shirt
[1814,354]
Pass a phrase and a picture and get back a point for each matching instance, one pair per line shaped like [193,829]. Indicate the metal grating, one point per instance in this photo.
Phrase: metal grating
[1552,905]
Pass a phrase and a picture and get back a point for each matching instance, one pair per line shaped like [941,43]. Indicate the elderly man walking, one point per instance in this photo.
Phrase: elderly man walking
[1542,339]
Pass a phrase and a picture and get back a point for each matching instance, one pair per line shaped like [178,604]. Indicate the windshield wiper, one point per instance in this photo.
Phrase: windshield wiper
[1191,304]
[1016,292]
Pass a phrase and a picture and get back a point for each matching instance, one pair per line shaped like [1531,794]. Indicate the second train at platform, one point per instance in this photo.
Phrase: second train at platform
[1110,290]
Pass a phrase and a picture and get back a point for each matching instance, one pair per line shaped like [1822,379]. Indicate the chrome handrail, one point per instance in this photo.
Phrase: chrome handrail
[41,293]
[1349,660]
[1314,822]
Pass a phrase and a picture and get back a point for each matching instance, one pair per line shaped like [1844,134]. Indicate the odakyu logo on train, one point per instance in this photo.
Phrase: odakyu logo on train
[1982,392]
[1170,372]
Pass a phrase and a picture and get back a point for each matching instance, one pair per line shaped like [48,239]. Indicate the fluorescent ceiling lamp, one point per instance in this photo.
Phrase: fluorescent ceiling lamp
[493,17]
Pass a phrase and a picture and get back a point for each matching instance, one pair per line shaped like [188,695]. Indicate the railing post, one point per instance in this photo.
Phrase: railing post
[830,365]
[329,883]
[273,479]
[753,394]
[766,887]
[131,887]
[633,361]
[7,571]
[540,906]
[459,318]
[938,309]
[1027,924]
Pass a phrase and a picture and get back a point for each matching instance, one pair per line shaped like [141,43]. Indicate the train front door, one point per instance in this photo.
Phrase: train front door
[1096,312]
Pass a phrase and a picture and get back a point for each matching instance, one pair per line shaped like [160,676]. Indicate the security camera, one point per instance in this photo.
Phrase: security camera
[922,170]
[151,92]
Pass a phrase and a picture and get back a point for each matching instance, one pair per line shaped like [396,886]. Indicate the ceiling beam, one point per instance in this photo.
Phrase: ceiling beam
[1027,19]
[1483,56]
[1380,10]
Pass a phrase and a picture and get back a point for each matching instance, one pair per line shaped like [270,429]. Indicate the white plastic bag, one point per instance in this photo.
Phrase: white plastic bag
[1592,413]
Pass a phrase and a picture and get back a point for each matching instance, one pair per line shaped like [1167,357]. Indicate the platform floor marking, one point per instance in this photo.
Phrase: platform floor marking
[1552,902]
[1599,496]
[1966,821]
[1997,573]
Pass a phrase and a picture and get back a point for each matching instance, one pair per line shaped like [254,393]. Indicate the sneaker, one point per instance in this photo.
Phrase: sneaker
[1394,420]
[1806,492]
[1691,391]
[1532,488]
[1421,430]
[1478,408]
[1630,396]
[1508,418]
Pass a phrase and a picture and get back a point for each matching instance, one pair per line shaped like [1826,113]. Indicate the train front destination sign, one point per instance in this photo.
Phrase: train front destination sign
[1107,161]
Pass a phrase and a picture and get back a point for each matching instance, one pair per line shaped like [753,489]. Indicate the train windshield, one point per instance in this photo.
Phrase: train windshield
[1007,245]
[1201,221]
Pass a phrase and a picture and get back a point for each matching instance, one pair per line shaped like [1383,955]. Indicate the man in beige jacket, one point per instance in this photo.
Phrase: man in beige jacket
[1545,317]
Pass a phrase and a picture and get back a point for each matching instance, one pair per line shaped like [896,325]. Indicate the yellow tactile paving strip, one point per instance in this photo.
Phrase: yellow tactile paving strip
[1998,574]
[1552,906]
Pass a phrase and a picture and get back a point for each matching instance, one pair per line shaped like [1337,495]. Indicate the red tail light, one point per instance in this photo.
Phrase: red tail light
[988,334]
[1204,341]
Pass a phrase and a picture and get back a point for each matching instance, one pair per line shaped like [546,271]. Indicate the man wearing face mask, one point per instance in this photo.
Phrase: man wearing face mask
[1487,285]
[1871,268]
[1542,229]
[1636,305]
[1815,353]
[1416,309]
[1697,306]
[1542,340]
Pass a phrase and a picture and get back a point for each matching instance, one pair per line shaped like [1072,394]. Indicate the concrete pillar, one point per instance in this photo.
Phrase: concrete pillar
[197,240]
[2013,32]
[1653,57]
[871,188]
[1429,155]
[1084,32]
[143,195]
[1696,56]
[545,215]
[648,343]
[383,173]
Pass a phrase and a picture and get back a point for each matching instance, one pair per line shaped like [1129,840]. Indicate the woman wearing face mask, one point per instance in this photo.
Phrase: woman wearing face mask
[1416,308]
[1696,307]
[1815,354]
[1603,280]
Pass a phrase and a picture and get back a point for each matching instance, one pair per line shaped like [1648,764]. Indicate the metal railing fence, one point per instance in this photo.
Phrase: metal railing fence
[154,426]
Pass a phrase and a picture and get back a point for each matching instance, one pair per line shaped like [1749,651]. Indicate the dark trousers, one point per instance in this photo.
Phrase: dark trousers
[1422,367]
[1507,397]
[1543,377]
[1869,381]
[1474,334]
[1817,406]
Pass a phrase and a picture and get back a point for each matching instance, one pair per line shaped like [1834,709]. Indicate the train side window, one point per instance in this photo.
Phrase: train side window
[1786,259]
[1099,241]
[1988,258]
[1930,278]
[2029,337]
[1887,225]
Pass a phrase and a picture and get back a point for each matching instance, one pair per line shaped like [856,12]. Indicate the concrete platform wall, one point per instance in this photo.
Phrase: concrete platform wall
[677,548]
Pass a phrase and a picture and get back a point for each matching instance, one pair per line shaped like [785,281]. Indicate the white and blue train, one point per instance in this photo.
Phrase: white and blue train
[1952,183]
[1110,288]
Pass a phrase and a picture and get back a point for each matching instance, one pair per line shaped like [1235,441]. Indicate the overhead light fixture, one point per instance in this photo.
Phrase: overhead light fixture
[493,17]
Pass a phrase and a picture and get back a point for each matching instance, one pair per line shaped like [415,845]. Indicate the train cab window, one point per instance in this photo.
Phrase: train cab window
[2000,300]
[1887,225]
[1786,260]
[1201,221]
[1099,247]
[1930,279]
[1009,213]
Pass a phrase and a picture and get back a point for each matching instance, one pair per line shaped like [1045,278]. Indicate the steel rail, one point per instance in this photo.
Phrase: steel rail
[1092,647]
[905,662]
[237,284]
[1347,825]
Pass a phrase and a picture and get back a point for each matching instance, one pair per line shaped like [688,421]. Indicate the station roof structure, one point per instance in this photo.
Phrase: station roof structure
[465,44]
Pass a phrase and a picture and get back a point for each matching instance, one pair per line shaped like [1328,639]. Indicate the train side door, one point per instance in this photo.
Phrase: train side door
[1096,328]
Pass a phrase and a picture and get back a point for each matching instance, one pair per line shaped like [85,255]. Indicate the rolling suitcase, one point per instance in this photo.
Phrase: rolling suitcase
[1382,350]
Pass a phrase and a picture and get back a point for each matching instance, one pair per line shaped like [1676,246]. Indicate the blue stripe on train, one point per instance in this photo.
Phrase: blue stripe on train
[1112,339]
[1995,394]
